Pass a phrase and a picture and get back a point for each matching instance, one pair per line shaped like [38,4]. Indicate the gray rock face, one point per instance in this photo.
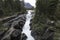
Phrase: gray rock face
[28,6]
[17,24]
[16,35]
[15,20]
[1,34]
[24,37]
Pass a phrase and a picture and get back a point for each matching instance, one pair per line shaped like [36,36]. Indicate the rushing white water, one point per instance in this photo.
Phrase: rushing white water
[26,28]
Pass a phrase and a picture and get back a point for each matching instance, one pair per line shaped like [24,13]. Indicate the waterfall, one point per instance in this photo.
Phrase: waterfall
[26,28]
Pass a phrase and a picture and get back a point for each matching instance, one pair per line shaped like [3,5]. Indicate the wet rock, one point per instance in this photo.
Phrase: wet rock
[34,34]
[8,19]
[21,23]
[30,24]
[7,38]
[17,27]
[17,24]
[16,35]
[24,37]
[2,32]
[7,25]
[23,18]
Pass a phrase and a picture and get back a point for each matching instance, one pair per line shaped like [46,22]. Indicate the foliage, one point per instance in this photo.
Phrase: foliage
[46,10]
[10,7]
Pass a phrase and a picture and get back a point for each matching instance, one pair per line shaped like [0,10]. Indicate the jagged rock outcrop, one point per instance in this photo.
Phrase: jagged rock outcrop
[16,35]
[14,26]
[15,20]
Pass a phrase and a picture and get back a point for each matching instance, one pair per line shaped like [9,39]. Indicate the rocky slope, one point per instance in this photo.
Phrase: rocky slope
[14,31]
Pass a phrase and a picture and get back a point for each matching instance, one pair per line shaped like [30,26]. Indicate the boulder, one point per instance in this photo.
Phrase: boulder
[16,35]
[24,37]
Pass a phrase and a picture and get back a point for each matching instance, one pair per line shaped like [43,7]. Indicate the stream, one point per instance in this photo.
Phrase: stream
[26,28]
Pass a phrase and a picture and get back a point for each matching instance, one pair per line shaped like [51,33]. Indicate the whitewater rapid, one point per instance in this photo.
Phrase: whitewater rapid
[26,28]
